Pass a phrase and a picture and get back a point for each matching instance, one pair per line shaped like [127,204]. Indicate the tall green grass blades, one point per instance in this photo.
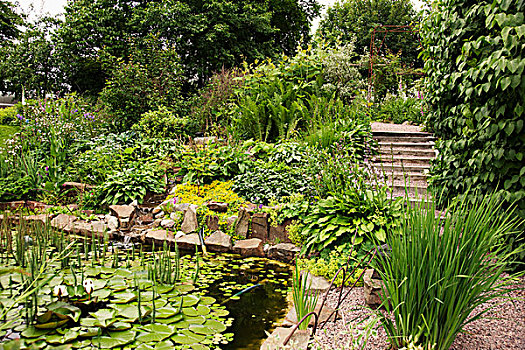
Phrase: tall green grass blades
[304,303]
[440,270]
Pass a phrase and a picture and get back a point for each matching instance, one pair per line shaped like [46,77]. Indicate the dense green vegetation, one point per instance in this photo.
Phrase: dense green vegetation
[119,95]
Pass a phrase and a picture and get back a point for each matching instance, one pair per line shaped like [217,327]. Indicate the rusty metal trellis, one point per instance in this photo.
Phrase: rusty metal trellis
[384,29]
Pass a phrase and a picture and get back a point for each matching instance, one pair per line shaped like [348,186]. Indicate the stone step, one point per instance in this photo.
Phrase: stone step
[408,151]
[400,188]
[410,145]
[405,160]
[399,176]
[404,139]
[400,168]
[392,133]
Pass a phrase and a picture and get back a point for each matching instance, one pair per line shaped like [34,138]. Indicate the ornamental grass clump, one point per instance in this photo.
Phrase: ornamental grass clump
[304,302]
[441,270]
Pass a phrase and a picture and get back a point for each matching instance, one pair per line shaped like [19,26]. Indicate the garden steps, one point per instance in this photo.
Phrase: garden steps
[405,153]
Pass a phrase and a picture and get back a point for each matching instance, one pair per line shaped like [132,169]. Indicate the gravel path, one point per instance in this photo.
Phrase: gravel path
[502,328]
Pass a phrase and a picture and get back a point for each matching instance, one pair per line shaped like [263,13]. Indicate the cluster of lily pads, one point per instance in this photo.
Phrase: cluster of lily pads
[103,297]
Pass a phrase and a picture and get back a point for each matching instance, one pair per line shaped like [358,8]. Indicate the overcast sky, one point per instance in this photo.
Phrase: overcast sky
[55,7]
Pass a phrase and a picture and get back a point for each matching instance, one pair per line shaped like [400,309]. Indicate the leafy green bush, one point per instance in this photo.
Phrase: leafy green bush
[440,271]
[398,110]
[261,184]
[351,218]
[162,123]
[476,97]
[151,78]
[132,183]
[8,115]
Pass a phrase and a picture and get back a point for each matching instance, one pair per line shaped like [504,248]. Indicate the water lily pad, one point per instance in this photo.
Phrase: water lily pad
[32,332]
[185,288]
[69,336]
[171,320]
[124,297]
[51,325]
[166,312]
[195,320]
[104,317]
[187,337]
[164,345]
[90,331]
[190,311]
[115,339]
[120,326]
[202,329]
[155,333]
[131,313]
[216,325]
[207,301]
[101,293]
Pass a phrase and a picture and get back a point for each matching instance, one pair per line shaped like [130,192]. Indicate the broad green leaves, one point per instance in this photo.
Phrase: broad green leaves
[475,79]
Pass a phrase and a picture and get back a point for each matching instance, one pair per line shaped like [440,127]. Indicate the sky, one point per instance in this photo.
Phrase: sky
[54,7]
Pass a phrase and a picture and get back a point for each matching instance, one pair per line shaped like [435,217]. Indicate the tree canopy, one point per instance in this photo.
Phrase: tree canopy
[358,18]
[9,21]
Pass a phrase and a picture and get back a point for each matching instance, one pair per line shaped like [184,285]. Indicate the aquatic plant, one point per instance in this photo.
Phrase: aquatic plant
[304,302]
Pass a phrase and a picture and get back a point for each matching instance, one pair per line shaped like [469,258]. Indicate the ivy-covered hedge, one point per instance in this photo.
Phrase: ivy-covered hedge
[474,62]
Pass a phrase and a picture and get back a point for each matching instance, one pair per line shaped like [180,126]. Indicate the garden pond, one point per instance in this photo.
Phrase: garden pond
[73,292]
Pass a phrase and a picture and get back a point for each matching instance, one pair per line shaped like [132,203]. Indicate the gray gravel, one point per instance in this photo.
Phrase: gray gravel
[502,328]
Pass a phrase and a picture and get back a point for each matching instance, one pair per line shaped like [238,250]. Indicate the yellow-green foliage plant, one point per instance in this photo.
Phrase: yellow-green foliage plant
[441,270]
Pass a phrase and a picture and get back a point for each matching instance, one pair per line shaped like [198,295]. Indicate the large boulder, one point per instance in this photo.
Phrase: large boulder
[372,288]
[188,242]
[260,226]
[249,247]
[242,226]
[218,241]
[92,229]
[190,222]
[298,341]
[283,252]
[125,215]
[160,236]
[64,222]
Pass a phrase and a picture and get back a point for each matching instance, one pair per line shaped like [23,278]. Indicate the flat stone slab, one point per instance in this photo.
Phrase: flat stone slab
[92,229]
[77,186]
[122,211]
[291,317]
[64,222]
[283,252]
[44,218]
[317,284]
[160,236]
[299,340]
[249,247]
[219,241]
[188,242]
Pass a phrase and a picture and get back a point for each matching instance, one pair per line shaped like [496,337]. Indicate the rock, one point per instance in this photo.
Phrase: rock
[260,226]
[112,222]
[242,225]
[218,241]
[135,203]
[12,205]
[218,207]
[212,222]
[37,205]
[188,242]
[145,219]
[372,289]
[77,186]
[298,341]
[323,316]
[283,252]
[279,234]
[92,229]
[43,218]
[72,207]
[125,215]
[190,223]
[64,222]
[156,210]
[159,236]
[181,207]
[317,284]
[157,222]
[167,223]
[160,215]
[249,247]
[177,216]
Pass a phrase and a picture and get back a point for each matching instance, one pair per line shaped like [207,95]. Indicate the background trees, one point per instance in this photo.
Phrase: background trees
[358,18]
[9,21]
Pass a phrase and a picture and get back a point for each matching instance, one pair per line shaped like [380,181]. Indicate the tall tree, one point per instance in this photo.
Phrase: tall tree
[30,64]
[358,18]
[207,34]
[9,21]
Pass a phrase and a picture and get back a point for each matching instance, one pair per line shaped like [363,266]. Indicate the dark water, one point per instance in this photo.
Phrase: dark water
[258,309]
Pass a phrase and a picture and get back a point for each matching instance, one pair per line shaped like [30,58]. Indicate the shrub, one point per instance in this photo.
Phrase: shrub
[162,123]
[399,110]
[440,271]
[8,115]
[132,183]
[262,184]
